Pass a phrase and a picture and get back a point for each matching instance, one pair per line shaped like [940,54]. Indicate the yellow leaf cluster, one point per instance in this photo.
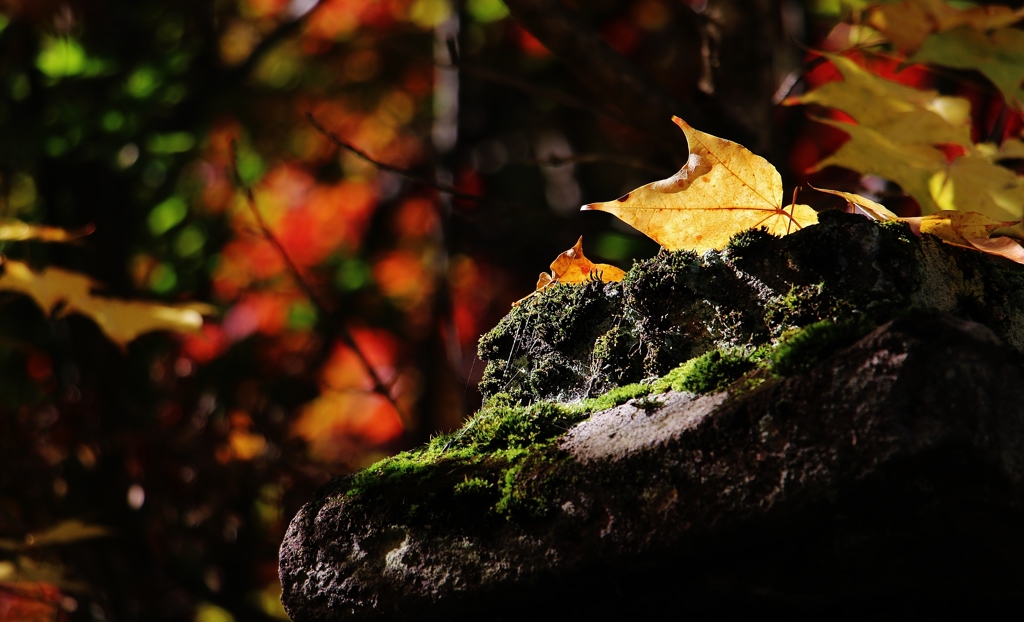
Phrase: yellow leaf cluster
[907,24]
[898,135]
[722,190]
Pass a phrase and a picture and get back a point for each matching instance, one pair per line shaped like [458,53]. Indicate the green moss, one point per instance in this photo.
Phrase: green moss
[472,486]
[814,343]
[543,348]
[611,399]
[709,372]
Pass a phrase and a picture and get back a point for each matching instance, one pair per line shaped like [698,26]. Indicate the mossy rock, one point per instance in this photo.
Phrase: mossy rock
[574,341]
[705,403]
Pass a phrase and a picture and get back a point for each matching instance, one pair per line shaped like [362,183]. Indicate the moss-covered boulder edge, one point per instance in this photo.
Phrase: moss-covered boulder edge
[763,308]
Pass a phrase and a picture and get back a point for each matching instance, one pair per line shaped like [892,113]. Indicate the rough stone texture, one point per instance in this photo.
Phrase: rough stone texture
[883,482]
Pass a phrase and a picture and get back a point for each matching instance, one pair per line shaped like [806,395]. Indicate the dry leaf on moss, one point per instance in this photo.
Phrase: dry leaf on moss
[724,189]
[572,266]
[121,320]
[956,227]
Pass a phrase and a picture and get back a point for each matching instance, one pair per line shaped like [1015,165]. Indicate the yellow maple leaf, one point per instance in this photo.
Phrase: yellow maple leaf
[722,190]
[908,23]
[901,113]
[121,320]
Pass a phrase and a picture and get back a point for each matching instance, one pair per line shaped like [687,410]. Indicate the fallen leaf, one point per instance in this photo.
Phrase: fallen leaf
[956,227]
[722,190]
[1002,246]
[998,55]
[901,113]
[572,266]
[965,229]
[16,231]
[863,205]
[909,23]
[121,320]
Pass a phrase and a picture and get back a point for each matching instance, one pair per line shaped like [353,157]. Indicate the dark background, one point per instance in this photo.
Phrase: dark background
[193,451]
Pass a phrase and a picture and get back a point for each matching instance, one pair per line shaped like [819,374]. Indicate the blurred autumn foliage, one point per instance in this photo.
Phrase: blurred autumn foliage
[155,481]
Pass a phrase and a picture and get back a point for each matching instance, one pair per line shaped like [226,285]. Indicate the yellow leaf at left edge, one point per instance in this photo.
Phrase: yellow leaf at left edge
[17,231]
[724,189]
[121,320]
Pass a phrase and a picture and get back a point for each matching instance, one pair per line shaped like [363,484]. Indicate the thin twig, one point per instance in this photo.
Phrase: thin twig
[384,166]
[587,158]
[322,307]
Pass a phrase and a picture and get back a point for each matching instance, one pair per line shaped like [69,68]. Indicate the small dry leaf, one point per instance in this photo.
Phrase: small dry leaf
[16,231]
[121,320]
[724,189]
[1004,247]
[572,266]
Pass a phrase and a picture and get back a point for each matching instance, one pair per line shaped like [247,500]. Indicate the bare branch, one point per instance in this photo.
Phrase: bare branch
[322,307]
[384,166]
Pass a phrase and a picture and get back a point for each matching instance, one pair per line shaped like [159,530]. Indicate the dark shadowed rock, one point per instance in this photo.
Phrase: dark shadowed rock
[881,478]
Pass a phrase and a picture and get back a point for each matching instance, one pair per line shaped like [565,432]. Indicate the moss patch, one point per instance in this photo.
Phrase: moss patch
[708,372]
[814,343]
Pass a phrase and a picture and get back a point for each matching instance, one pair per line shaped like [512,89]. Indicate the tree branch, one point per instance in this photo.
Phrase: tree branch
[322,307]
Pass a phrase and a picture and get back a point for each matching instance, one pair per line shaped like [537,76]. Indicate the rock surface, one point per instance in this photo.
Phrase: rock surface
[882,477]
